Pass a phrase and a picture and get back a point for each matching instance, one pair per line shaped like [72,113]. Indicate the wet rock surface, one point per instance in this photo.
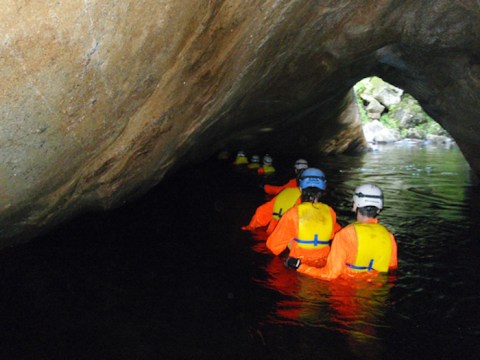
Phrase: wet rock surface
[100,100]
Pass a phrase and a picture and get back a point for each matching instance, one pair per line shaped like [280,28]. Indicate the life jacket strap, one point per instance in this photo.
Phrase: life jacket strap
[279,214]
[315,241]
[355,267]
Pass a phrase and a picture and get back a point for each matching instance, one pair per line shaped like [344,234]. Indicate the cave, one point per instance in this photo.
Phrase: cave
[101,100]
[110,109]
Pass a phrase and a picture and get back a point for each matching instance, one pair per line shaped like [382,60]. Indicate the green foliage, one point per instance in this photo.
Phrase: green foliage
[425,124]
[360,87]
[404,133]
[412,104]
[389,122]
[432,127]
[361,109]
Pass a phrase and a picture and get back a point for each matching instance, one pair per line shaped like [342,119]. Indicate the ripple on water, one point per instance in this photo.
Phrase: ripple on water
[431,207]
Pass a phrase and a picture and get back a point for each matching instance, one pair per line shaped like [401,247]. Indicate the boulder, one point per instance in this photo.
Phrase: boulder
[388,95]
[414,133]
[374,108]
[439,140]
[407,117]
[376,133]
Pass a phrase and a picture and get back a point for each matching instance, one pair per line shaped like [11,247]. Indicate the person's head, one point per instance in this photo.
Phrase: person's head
[255,159]
[313,184]
[300,165]
[267,160]
[298,176]
[368,200]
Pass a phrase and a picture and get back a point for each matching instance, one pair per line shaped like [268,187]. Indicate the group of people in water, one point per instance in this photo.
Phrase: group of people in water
[264,168]
[295,220]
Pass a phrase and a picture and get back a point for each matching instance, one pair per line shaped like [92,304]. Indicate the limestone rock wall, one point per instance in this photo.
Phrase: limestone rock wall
[99,99]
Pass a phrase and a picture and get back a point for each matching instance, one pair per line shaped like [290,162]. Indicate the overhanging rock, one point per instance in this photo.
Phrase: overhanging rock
[99,99]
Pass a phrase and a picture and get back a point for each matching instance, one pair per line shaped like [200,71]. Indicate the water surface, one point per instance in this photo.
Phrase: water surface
[172,276]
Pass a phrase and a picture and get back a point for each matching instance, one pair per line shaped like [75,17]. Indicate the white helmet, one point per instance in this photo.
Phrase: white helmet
[368,195]
[300,164]
[267,160]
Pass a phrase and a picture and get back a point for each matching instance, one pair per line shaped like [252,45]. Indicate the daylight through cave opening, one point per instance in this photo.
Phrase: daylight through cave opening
[390,114]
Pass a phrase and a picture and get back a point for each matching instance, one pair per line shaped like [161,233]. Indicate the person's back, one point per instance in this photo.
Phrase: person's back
[240,159]
[374,247]
[361,249]
[316,228]
[267,166]
[285,200]
[254,162]
[268,214]
[307,228]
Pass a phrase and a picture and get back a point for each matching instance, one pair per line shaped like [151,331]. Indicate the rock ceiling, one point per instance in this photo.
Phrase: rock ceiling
[100,99]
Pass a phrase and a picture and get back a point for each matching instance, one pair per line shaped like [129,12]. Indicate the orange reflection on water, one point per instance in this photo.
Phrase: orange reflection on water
[260,238]
[354,307]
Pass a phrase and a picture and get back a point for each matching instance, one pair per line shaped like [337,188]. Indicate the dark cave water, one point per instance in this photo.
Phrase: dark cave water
[172,276]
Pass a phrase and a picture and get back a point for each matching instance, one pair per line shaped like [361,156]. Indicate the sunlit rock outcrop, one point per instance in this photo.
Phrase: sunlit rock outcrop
[99,99]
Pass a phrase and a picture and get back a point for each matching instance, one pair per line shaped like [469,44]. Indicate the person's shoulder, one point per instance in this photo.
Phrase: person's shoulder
[292,182]
[328,206]
[293,211]
[348,228]
[385,227]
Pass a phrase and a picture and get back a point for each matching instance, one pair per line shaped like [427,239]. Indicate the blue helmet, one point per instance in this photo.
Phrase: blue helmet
[313,177]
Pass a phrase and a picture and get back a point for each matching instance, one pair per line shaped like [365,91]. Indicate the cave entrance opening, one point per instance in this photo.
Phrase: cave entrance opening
[390,114]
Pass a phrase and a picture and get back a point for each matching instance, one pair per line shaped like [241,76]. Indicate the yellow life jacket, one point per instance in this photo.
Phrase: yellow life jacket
[285,200]
[240,160]
[268,169]
[315,225]
[253,165]
[374,248]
